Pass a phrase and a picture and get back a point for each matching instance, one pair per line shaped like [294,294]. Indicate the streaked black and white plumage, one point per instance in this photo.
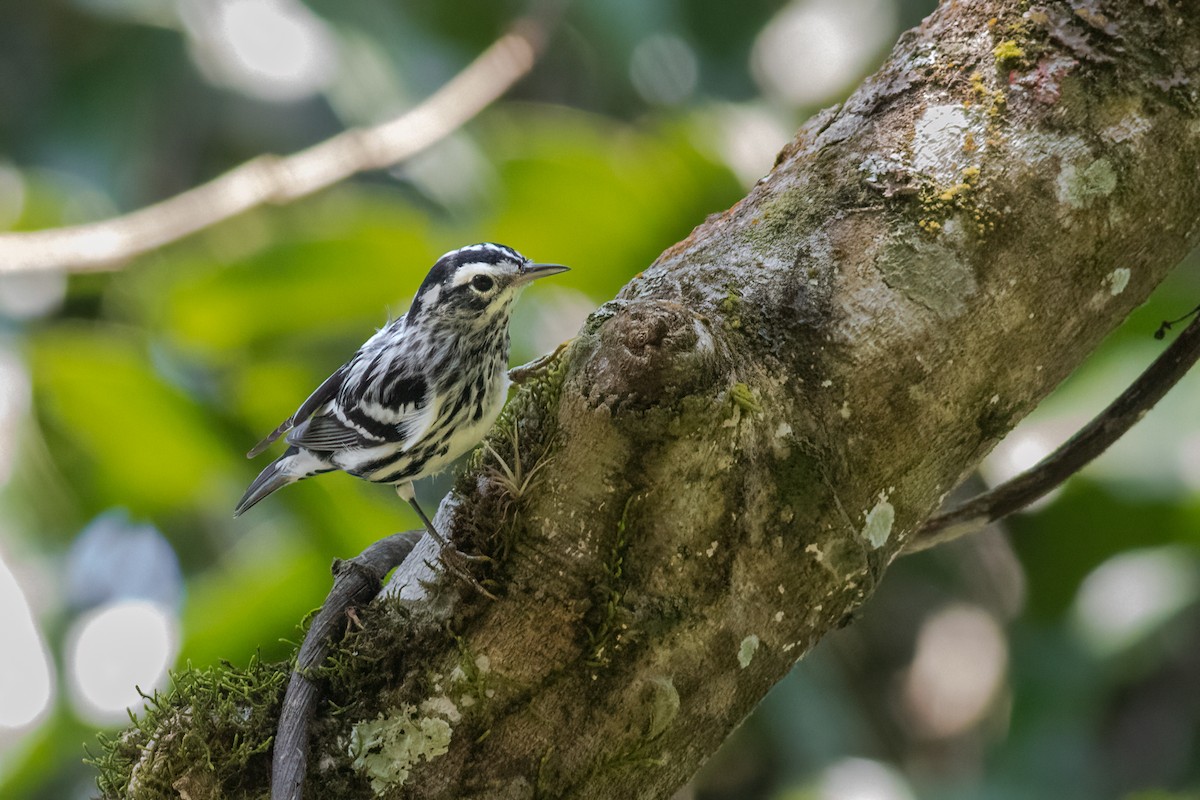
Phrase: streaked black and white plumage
[420,392]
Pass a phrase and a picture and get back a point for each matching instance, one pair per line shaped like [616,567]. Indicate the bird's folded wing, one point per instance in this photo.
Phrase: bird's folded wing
[323,394]
[327,432]
[401,416]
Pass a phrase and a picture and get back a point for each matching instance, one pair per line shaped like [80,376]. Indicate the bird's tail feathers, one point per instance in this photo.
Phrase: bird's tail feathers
[278,473]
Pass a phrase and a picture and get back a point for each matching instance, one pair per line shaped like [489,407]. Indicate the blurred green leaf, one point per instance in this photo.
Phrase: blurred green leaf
[258,593]
[147,443]
[341,275]
[1062,543]
[49,762]
[602,197]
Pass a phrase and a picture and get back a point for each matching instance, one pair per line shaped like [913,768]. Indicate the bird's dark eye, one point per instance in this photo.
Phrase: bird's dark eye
[482,283]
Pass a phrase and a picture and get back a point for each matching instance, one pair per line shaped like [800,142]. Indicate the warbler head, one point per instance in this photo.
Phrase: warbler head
[476,282]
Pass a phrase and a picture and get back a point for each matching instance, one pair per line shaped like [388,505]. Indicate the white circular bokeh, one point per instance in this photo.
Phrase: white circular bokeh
[115,650]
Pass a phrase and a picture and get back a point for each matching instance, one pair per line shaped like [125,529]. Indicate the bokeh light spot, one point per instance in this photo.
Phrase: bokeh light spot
[957,671]
[117,649]
[862,779]
[748,138]
[814,49]
[26,295]
[272,49]
[14,404]
[25,679]
[1132,594]
[663,70]
[1020,451]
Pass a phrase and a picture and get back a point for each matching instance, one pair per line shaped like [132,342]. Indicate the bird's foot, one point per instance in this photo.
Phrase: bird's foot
[458,564]
[539,366]
[455,561]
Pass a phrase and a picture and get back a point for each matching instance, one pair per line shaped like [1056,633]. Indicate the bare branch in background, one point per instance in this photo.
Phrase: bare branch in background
[107,244]
[1092,440]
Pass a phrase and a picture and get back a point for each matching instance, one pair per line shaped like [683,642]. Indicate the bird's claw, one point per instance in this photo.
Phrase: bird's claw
[457,563]
[538,366]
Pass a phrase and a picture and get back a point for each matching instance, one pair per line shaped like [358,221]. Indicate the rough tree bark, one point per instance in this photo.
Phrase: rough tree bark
[727,458]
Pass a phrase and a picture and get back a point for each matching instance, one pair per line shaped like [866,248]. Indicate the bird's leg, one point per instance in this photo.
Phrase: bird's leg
[445,546]
[454,560]
[437,537]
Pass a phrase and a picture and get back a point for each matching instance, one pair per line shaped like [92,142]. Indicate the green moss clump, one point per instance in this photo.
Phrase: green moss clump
[743,397]
[360,670]
[781,213]
[209,734]
[602,632]
[539,392]
[1008,54]
[661,701]
[518,446]
[731,307]
[473,674]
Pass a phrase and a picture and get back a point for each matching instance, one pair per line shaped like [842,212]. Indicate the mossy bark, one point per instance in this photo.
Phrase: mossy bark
[721,466]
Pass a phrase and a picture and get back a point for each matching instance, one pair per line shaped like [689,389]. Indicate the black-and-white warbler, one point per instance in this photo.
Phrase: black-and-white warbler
[420,392]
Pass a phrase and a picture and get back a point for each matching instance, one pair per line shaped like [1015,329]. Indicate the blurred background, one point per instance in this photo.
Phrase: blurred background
[1059,658]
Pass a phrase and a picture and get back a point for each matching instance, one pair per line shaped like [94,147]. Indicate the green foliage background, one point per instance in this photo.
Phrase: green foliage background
[148,384]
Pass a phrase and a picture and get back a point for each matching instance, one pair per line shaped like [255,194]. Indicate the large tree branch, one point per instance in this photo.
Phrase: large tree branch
[747,436]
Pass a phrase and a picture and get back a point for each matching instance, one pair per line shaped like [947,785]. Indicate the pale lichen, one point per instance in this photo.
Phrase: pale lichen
[664,705]
[442,706]
[938,138]
[1081,185]
[386,749]
[746,650]
[1117,280]
[878,526]
[929,274]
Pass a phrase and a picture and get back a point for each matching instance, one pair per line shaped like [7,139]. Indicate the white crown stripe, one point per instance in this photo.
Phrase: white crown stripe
[499,249]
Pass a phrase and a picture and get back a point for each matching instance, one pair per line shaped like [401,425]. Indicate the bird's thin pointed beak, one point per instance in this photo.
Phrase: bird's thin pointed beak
[535,271]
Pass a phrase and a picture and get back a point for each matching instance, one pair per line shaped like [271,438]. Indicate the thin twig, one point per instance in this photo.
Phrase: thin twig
[355,583]
[1085,445]
[107,244]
